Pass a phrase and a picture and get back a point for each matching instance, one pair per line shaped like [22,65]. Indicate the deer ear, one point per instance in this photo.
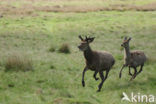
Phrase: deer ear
[91,40]
[129,39]
[80,37]
[125,38]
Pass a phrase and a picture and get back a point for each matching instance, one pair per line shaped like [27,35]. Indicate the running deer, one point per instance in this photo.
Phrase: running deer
[95,61]
[132,59]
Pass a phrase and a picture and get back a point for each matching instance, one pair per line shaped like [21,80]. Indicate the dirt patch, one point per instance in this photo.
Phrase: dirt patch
[29,9]
[11,10]
[147,7]
[58,8]
[85,8]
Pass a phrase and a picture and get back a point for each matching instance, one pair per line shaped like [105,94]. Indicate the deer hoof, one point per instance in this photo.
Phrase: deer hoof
[98,90]
[96,79]
[132,78]
[83,83]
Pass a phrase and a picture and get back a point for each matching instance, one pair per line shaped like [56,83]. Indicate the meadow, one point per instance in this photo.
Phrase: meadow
[35,30]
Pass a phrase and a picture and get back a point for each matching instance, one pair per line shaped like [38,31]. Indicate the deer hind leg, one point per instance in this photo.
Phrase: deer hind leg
[141,67]
[134,75]
[103,79]
[95,73]
[130,71]
[83,74]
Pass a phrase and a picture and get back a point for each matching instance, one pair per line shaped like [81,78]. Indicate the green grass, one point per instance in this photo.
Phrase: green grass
[56,78]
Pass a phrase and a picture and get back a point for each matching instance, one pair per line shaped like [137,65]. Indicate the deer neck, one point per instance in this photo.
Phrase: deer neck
[127,53]
[88,54]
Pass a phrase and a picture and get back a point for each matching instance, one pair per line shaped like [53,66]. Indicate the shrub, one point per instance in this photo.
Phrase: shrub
[64,48]
[18,63]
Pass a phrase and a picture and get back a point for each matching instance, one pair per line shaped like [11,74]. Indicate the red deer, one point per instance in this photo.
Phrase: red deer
[96,61]
[132,59]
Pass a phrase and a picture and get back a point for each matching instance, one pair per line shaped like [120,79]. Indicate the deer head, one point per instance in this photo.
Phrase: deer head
[126,42]
[84,45]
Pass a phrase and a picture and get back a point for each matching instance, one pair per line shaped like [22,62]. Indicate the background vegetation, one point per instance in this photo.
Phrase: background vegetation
[35,31]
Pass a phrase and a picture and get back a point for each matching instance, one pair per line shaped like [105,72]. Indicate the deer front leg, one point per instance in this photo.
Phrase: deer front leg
[120,74]
[95,73]
[83,74]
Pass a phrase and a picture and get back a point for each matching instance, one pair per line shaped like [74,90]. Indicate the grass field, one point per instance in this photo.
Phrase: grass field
[56,77]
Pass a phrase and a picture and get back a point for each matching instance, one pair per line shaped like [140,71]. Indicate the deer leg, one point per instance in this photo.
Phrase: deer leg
[121,71]
[83,74]
[134,75]
[139,70]
[95,73]
[130,71]
[103,79]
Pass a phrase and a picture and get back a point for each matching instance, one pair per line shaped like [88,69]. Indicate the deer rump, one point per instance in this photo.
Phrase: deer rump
[100,61]
[137,58]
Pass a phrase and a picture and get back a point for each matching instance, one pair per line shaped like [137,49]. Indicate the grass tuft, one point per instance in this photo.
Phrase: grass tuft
[52,49]
[18,63]
[52,67]
[64,48]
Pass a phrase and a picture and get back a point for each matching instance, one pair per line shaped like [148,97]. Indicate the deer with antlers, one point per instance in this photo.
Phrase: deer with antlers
[132,59]
[96,61]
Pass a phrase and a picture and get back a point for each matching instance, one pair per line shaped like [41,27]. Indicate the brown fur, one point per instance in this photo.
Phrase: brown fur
[96,61]
[132,59]
[99,59]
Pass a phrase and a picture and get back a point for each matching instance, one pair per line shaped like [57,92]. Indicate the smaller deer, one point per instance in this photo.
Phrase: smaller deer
[95,61]
[132,59]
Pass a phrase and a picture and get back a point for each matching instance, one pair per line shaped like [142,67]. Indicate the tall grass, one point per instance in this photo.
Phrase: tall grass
[17,62]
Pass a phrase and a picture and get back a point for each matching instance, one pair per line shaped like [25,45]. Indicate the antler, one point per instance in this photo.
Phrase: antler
[89,39]
[81,37]
[86,38]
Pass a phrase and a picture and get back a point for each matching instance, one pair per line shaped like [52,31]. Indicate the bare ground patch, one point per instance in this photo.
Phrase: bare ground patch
[12,10]
[147,7]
